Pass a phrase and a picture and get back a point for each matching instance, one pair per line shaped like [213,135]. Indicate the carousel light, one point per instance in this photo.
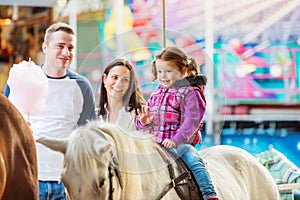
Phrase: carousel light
[240,71]
[276,70]
[5,22]
[237,45]
[15,12]
[244,69]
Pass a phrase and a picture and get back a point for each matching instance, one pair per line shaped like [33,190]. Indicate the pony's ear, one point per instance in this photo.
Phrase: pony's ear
[101,146]
[102,150]
[59,145]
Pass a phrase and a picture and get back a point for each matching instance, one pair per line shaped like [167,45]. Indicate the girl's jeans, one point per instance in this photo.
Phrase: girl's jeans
[195,163]
[52,190]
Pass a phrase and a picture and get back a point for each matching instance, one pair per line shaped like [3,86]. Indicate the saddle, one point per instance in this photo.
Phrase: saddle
[185,183]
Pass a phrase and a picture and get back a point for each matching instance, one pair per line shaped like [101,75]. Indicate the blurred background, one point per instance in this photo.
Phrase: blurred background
[249,50]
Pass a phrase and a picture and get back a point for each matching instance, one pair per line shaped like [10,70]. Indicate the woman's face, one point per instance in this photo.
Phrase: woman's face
[117,82]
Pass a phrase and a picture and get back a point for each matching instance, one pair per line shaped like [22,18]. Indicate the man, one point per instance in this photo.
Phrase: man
[70,103]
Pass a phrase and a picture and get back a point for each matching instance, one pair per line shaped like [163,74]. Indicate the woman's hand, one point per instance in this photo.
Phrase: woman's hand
[144,116]
[168,143]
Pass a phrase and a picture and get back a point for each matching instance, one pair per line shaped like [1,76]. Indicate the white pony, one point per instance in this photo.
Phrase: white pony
[103,162]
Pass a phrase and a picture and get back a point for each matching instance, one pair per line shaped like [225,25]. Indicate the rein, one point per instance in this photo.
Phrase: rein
[111,188]
[115,165]
[174,181]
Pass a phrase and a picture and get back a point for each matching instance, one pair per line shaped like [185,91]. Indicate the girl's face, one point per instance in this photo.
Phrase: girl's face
[117,82]
[167,73]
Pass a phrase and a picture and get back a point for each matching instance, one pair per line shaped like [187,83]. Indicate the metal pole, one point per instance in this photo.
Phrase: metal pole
[209,66]
[119,9]
[163,16]
[73,23]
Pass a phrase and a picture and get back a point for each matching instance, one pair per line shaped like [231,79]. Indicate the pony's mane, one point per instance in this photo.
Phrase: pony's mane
[136,150]
[138,159]
[131,148]
[80,148]
[130,141]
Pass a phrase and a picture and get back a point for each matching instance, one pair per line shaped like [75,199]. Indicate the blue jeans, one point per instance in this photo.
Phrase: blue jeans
[52,190]
[195,163]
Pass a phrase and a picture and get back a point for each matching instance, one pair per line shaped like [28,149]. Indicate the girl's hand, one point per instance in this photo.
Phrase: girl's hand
[168,143]
[144,116]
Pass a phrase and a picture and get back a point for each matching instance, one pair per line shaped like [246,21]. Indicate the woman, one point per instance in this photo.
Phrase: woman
[120,96]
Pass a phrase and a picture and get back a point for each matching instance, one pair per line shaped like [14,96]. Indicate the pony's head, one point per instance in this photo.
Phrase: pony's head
[90,167]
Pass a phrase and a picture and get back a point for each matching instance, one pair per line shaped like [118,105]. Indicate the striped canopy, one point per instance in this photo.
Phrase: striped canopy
[281,168]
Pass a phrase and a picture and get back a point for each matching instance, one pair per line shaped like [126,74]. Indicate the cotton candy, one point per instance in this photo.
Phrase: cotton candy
[28,87]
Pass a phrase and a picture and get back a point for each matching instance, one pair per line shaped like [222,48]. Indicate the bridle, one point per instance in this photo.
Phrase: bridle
[114,164]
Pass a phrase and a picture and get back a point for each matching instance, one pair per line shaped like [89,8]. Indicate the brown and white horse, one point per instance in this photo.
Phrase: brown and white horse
[92,152]
[18,162]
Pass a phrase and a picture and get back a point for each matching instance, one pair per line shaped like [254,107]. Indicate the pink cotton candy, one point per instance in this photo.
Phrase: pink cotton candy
[28,87]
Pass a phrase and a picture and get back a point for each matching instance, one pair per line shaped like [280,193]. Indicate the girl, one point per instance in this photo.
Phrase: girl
[174,112]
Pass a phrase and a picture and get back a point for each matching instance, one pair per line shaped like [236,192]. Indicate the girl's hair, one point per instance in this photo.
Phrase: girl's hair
[179,59]
[133,98]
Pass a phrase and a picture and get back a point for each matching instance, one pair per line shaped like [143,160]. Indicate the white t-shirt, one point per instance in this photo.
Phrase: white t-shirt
[70,103]
[126,120]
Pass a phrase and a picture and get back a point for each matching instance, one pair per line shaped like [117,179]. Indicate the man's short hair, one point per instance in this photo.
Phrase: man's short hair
[59,26]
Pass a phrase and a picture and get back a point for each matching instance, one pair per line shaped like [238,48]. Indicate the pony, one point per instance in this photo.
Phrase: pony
[281,169]
[18,161]
[102,161]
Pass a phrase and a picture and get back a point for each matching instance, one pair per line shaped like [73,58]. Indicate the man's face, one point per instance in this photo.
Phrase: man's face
[60,50]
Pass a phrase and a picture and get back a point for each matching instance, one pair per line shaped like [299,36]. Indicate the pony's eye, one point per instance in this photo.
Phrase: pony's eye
[101,181]
[97,185]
